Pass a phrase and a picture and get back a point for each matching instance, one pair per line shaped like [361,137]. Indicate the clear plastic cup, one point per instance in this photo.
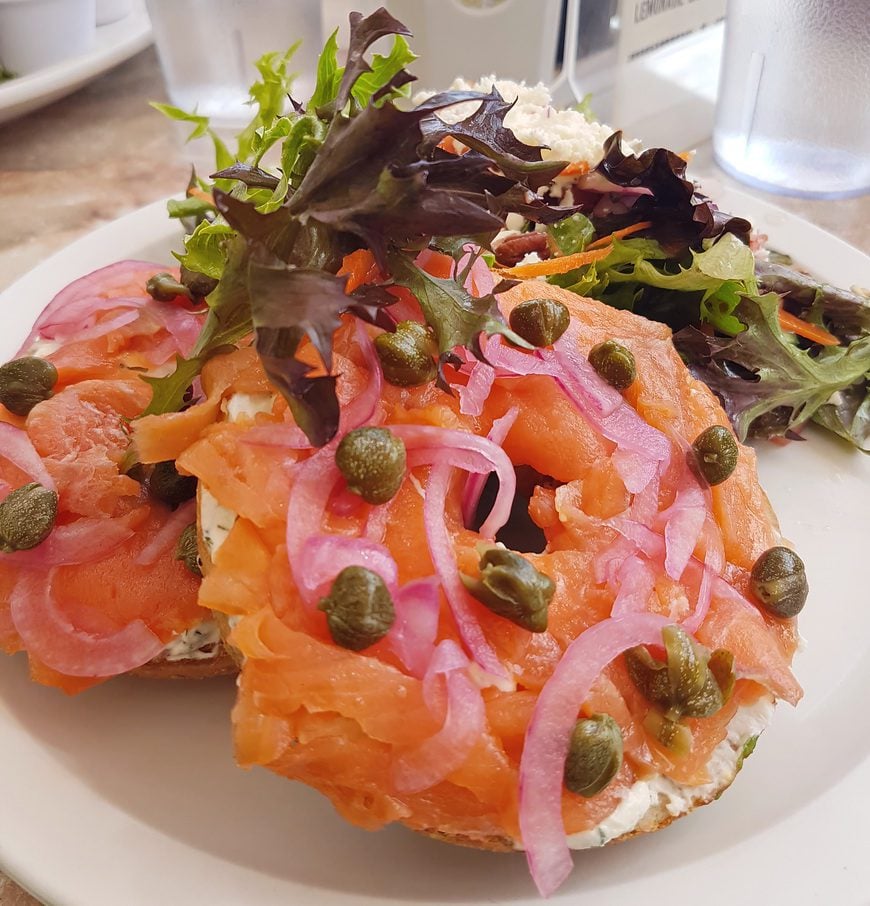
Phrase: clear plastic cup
[514,39]
[207,49]
[793,114]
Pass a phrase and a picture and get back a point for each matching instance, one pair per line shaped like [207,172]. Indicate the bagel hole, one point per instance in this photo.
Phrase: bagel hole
[519,533]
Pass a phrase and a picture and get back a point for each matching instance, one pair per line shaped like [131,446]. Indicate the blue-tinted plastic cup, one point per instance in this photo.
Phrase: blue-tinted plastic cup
[793,114]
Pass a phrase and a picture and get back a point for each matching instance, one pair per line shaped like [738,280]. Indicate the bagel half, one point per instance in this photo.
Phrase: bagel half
[103,594]
[297,712]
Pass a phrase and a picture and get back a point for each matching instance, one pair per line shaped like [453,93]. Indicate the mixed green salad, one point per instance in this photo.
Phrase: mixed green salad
[362,166]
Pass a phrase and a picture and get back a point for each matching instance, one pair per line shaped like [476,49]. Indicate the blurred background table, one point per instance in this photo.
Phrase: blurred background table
[103,152]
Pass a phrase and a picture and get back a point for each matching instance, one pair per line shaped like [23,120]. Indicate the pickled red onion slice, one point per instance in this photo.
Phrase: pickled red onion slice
[470,452]
[480,280]
[474,394]
[510,362]
[684,521]
[182,325]
[376,523]
[101,328]
[444,561]
[325,556]
[413,634]
[604,406]
[314,479]
[16,446]
[448,657]
[636,581]
[51,638]
[642,451]
[474,484]
[167,535]
[439,755]
[73,308]
[714,563]
[360,411]
[344,502]
[548,735]
[83,541]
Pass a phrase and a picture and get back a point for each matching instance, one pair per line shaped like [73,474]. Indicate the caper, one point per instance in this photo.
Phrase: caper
[594,755]
[540,321]
[372,461]
[694,690]
[779,581]
[614,363]
[721,665]
[27,517]
[25,382]
[187,551]
[164,287]
[168,486]
[649,675]
[511,587]
[406,354]
[359,609]
[669,732]
[690,684]
[716,454]
[198,284]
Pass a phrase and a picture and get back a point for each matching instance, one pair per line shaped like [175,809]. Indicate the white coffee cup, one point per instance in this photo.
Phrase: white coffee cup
[35,34]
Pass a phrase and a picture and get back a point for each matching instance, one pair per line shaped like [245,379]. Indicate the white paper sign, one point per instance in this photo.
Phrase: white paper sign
[645,24]
[667,70]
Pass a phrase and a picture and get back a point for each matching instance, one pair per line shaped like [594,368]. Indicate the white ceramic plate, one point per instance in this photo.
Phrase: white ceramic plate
[114,44]
[128,794]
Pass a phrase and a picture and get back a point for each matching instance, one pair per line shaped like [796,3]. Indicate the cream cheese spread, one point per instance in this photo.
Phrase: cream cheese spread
[675,798]
[197,644]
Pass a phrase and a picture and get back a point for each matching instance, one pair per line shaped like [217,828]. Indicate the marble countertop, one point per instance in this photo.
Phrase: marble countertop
[102,152]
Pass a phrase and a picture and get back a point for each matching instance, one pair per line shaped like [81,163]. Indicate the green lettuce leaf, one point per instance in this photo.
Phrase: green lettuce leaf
[384,70]
[227,322]
[201,128]
[329,74]
[188,207]
[364,31]
[847,414]
[845,314]
[722,272]
[457,317]
[638,274]
[204,249]
[355,171]
[769,385]
[169,392]
[269,96]
[572,234]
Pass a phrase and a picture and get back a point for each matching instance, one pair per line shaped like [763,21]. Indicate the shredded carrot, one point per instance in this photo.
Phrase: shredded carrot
[194,192]
[361,268]
[452,146]
[578,168]
[556,265]
[619,234]
[794,324]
